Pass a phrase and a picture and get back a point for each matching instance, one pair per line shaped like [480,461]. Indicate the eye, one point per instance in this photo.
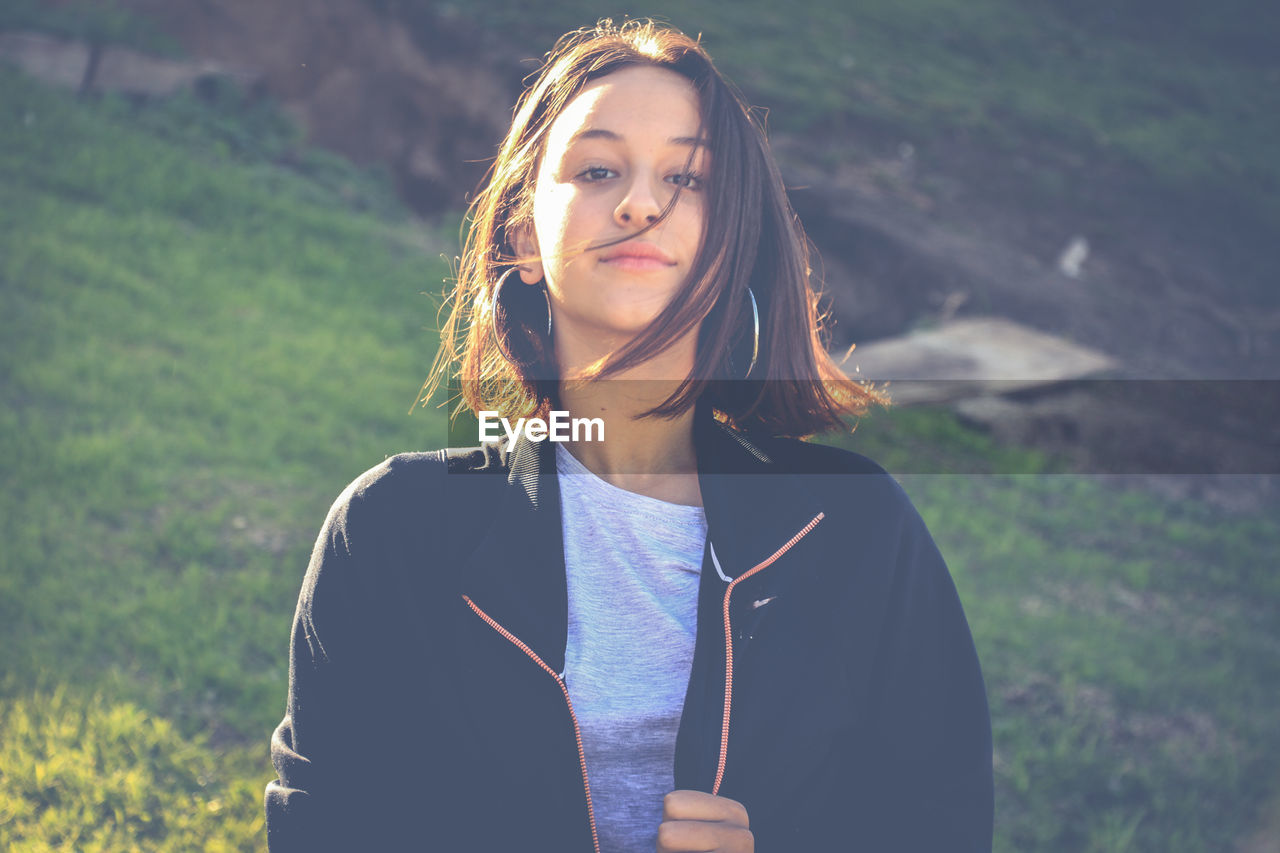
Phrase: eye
[591,174]
[687,180]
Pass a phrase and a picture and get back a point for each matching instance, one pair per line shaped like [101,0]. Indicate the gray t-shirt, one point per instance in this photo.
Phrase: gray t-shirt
[632,564]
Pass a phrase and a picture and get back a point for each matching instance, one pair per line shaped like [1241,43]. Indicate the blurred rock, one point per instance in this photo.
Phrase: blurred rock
[973,356]
[53,60]
[67,63]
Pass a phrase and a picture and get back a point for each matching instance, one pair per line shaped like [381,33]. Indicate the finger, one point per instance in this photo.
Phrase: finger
[699,805]
[700,836]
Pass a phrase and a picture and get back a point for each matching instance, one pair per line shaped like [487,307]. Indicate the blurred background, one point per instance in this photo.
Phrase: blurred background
[226,229]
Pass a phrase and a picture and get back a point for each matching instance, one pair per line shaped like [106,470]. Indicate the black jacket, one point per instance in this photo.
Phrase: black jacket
[425,712]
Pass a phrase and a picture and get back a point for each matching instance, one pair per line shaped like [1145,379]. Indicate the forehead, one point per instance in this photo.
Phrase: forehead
[639,103]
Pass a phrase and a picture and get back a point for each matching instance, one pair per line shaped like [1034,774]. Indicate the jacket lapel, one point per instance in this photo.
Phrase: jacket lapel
[516,572]
[751,510]
[515,711]
[751,513]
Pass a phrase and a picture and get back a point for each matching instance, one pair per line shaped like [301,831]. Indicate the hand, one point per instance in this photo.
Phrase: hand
[696,822]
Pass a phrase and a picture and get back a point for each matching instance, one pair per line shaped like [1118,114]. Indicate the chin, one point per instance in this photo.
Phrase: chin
[624,329]
[626,321]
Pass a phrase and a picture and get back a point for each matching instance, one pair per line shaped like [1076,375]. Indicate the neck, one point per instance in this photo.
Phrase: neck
[652,456]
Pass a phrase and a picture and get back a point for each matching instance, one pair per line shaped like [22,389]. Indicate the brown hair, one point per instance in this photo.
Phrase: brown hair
[752,238]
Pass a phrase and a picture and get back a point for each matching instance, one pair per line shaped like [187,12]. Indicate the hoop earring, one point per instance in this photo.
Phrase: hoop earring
[495,304]
[755,332]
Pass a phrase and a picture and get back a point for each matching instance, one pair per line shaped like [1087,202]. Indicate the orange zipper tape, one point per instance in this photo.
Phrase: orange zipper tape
[728,645]
[577,733]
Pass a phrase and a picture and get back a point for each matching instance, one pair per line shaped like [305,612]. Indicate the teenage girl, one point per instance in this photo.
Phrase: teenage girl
[690,633]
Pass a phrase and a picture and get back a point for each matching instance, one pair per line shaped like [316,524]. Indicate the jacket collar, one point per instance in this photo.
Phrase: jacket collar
[517,574]
[751,510]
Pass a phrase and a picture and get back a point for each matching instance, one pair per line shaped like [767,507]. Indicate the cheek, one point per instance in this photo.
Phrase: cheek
[565,225]
[689,221]
[553,214]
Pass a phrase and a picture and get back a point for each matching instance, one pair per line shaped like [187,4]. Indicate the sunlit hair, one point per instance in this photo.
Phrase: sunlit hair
[752,238]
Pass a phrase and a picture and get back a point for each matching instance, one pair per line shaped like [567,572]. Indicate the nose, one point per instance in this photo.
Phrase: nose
[639,205]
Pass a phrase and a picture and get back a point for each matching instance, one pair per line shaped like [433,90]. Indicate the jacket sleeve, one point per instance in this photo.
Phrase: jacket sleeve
[935,755]
[325,797]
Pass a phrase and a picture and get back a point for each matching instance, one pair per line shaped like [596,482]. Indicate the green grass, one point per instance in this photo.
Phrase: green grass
[204,342]
[209,330]
[97,777]
[1130,650]
[932,440]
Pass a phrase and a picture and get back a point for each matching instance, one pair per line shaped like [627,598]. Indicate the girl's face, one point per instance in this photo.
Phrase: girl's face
[613,159]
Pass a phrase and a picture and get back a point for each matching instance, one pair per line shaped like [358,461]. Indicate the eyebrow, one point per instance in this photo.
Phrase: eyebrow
[601,133]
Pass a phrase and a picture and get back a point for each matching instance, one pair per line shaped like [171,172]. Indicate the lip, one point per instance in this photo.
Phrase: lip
[638,256]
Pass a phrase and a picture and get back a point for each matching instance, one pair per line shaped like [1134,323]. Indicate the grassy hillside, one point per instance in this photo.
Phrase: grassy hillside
[1130,117]
[205,340]
[209,329]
